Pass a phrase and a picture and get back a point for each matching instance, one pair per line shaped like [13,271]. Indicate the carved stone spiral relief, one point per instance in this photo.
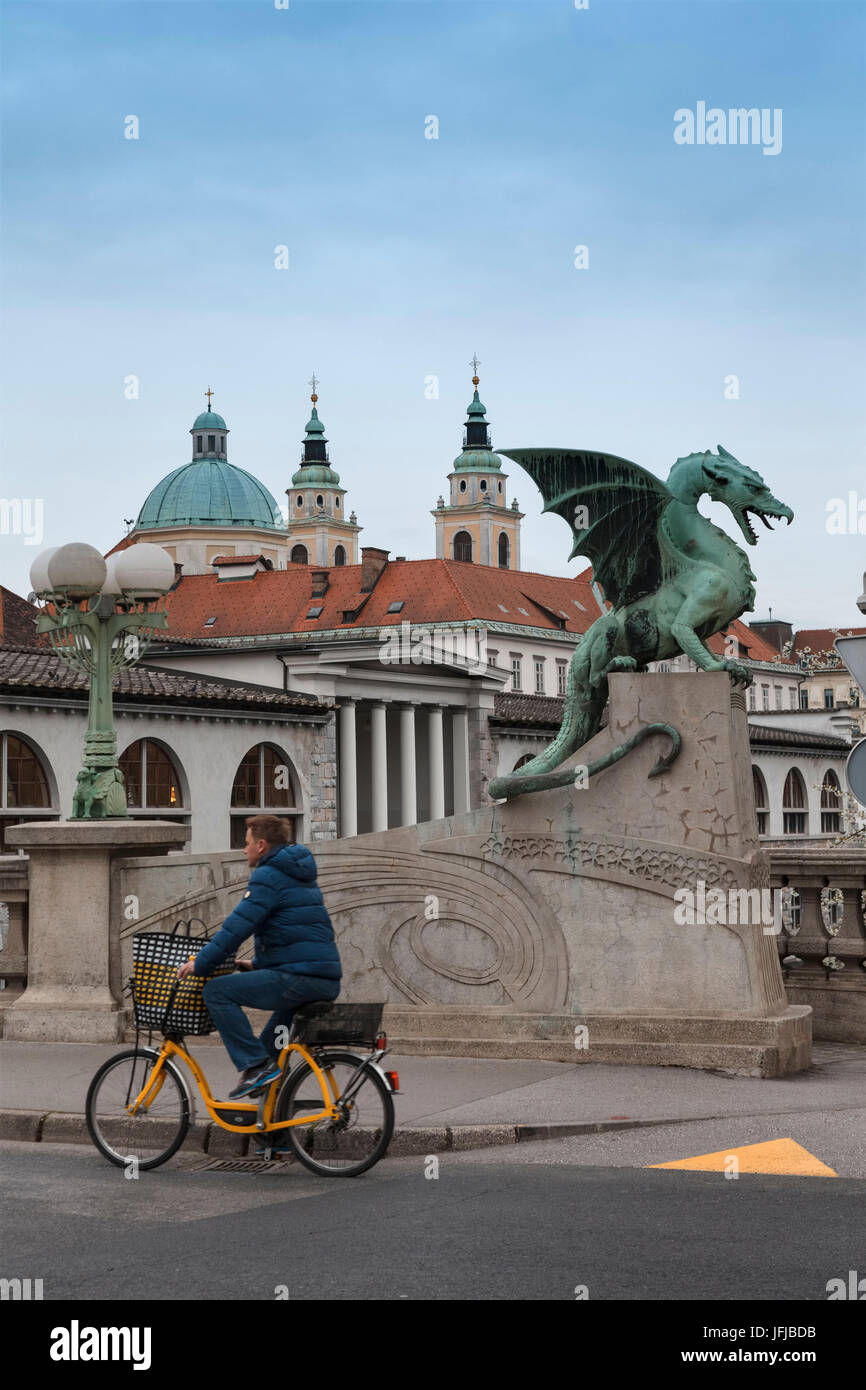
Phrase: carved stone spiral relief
[455,931]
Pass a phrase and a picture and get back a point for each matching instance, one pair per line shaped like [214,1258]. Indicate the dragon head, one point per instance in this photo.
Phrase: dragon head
[743,491]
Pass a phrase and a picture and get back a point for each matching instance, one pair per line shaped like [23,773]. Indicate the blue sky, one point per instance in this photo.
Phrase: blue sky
[305,127]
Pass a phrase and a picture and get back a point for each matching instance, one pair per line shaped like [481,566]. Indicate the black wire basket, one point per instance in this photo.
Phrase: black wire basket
[318,1025]
[160,1000]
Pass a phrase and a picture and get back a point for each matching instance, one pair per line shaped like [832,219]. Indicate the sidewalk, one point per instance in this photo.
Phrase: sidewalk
[457,1102]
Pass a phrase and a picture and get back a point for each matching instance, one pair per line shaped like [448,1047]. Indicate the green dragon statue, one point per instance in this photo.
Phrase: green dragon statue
[672,577]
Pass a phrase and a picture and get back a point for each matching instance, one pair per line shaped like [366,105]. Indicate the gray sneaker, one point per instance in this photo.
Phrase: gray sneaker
[254,1079]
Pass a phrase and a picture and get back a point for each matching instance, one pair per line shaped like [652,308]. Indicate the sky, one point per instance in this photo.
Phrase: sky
[720,298]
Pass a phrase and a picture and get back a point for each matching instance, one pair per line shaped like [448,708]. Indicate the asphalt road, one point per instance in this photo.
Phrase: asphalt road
[530,1222]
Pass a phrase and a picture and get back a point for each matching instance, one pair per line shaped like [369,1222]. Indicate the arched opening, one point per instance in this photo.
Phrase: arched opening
[762,801]
[794,813]
[25,786]
[265,783]
[831,804]
[504,550]
[339,555]
[298,555]
[153,783]
[521,762]
[462,546]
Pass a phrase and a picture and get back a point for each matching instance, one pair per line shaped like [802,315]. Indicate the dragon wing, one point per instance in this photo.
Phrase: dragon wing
[618,532]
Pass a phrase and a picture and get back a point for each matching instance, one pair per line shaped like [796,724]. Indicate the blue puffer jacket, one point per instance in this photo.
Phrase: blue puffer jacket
[283,906]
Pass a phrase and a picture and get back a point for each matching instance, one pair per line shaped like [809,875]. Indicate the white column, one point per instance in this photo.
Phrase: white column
[437,763]
[408,780]
[348,770]
[379,767]
[460,758]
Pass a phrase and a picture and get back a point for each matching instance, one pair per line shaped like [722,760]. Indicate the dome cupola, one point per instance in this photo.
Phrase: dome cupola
[209,434]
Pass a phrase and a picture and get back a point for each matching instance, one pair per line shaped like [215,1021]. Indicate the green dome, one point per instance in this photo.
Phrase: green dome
[209,420]
[210,492]
[477,461]
[312,473]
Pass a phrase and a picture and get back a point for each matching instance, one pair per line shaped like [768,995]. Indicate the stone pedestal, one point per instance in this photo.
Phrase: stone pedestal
[69,996]
[547,926]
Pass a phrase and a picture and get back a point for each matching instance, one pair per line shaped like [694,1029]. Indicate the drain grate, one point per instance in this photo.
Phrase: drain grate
[241,1165]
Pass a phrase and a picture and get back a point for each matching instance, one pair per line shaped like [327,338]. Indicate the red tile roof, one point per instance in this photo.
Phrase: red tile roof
[41,672]
[18,621]
[822,639]
[432,591]
[240,560]
[752,646]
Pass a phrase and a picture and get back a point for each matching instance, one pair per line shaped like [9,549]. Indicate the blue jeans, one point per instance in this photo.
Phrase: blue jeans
[260,989]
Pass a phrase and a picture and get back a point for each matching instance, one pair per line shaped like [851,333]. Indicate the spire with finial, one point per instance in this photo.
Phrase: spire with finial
[477,428]
[209,394]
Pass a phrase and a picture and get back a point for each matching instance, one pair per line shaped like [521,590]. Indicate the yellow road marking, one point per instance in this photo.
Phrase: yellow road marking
[775,1156]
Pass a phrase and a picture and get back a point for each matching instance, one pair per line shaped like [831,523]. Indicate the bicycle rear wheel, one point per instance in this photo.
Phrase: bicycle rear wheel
[358,1138]
[149,1137]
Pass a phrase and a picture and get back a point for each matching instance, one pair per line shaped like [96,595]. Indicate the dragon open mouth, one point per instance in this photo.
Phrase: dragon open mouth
[748,528]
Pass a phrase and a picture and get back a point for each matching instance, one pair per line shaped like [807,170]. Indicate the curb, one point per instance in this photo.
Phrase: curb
[57,1127]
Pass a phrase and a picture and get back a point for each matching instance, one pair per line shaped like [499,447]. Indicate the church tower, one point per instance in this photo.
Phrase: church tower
[319,533]
[476,524]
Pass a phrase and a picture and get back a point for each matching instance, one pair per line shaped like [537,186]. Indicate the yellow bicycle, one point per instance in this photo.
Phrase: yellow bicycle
[336,1108]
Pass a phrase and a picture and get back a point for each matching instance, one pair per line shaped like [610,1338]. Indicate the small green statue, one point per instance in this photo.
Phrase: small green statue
[672,577]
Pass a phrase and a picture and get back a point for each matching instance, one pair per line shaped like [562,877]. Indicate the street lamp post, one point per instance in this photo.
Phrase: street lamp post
[100,618]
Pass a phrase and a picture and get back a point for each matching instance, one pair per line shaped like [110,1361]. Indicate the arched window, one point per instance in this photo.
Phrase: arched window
[503,550]
[521,762]
[462,484]
[24,787]
[299,501]
[299,555]
[794,814]
[463,546]
[483,484]
[831,804]
[264,783]
[320,501]
[762,804]
[339,555]
[152,780]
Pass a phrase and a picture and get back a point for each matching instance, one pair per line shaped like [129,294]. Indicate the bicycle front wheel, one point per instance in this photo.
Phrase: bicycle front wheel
[153,1134]
[359,1136]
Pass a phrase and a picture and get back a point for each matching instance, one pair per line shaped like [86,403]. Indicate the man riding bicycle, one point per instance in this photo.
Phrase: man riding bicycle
[296,958]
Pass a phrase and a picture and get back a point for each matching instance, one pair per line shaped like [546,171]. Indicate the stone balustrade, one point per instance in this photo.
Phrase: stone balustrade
[815,931]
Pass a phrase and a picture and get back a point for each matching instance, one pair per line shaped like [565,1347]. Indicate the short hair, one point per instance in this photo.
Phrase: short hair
[271,829]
